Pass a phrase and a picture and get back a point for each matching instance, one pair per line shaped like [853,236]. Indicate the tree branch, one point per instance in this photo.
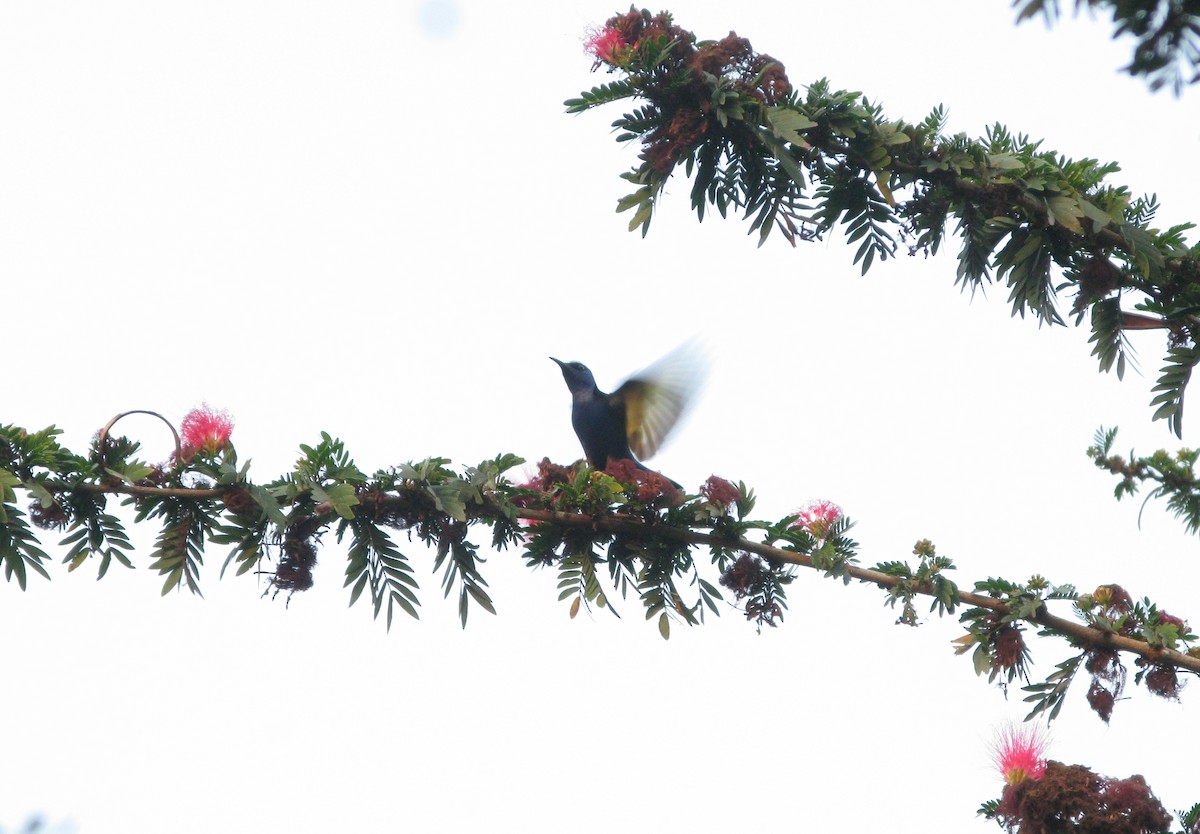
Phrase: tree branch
[808,161]
[631,521]
[1085,636]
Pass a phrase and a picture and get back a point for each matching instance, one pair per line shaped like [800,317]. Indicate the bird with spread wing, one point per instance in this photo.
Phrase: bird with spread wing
[633,421]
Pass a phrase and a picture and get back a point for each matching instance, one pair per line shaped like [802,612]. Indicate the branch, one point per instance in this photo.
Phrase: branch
[806,162]
[1083,635]
[630,523]
[143,491]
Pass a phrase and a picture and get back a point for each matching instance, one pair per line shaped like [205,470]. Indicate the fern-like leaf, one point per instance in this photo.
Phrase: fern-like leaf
[601,94]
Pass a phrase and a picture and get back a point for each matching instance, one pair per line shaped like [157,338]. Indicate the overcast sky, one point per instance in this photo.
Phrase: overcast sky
[374,219]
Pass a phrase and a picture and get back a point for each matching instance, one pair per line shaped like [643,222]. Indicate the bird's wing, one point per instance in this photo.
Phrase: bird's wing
[655,399]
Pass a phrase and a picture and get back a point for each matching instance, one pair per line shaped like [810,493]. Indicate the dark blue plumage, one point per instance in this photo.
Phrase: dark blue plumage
[633,421]
[598,418]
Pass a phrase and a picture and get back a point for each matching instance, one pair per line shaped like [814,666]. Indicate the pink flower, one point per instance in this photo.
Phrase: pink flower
[204,430]
[605,44]
[719,491]
[817,517]
[1019,752]
[534,484]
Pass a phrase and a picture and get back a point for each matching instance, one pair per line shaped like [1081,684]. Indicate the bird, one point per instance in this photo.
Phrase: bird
[633,421]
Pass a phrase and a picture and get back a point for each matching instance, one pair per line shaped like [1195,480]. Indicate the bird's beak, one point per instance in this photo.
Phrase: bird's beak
[559,361]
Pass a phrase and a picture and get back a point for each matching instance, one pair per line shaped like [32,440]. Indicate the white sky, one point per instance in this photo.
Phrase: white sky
[322,217]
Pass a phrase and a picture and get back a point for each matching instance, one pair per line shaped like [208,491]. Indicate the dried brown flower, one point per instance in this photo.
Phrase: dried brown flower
[1163,681]
[54,517]
[1071,798]
[1008,647]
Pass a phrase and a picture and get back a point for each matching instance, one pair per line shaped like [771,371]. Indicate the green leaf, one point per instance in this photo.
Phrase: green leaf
[481,597]
[7,481]
[1111,344]
[642,195]
[600,94]
[40,493]
[981,660]
[14,565]
[1004,162]
[1171,384]
[786,123]
[664,626]
[404,604]
[789,164]
[340,497]
[450,499]
[642,217]
[358,588]
[134,471]
[1065,210]
[1098,216]
[269,503]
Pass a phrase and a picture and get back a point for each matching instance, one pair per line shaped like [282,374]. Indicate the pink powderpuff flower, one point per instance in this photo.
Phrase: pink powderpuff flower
[719,491]
[605,44]
[817,517]
[534,484]
[1019,752]
[204,430]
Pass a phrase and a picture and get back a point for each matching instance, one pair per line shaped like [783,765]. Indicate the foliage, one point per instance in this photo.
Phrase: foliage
[805,162]
[610,536]
[1173,473]
[1166,34]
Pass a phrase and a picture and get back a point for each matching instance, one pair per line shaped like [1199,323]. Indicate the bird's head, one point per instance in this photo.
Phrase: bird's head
[579,378]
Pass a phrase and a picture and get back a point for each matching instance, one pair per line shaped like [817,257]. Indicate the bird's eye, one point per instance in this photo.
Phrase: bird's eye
[578,366]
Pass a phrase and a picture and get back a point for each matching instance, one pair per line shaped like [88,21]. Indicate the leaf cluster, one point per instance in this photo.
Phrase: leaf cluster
[1173,476]
[928,577]
[624,534]
[807,162]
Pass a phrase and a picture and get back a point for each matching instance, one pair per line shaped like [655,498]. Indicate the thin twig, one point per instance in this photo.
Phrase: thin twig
[137,489]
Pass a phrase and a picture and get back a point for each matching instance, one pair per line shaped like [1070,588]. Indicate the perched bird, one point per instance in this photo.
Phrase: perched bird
[632,422]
